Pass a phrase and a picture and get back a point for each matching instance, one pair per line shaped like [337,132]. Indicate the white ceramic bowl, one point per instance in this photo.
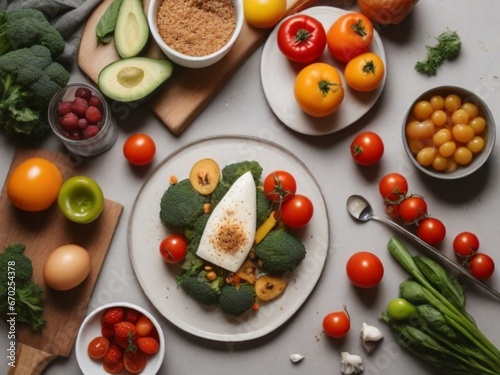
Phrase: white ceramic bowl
[490,136]
[193,61]
[91,327]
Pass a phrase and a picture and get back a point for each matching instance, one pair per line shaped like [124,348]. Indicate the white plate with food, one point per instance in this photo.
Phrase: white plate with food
[278,77]
[157,278]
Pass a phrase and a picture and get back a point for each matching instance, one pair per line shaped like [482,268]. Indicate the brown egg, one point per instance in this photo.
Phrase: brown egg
[66,267]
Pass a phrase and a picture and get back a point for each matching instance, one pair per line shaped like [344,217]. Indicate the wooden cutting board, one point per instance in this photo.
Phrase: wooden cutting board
[43,232]
[188,91]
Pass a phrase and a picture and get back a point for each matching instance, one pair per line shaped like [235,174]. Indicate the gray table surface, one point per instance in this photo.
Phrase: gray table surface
[241,109]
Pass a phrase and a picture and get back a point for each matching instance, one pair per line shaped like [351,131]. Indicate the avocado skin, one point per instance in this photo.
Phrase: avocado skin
[153,73]
[131,29]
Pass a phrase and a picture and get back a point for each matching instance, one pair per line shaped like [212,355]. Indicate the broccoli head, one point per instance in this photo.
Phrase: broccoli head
[29,305]
[13,258]
[193,234]
[181,205]
[201,289]
[27,27]
[263,207]
[280,251]
[231,172]
[28,81]
[236,299]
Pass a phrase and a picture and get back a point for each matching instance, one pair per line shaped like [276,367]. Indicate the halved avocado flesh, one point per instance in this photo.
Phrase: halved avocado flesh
[131,29]
[133,78]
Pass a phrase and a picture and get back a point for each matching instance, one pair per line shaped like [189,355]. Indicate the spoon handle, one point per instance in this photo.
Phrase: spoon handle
[438,254]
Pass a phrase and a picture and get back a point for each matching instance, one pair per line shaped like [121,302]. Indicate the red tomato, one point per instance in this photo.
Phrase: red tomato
[336,324]
[367,148]
[139,149]
[144,326]
[279,186]
[98,347]
[297,211]
[431,230]
[364,269]
[393,188]
[173,248]
[481,266]
[465,244]
[349,36]
[302,38]
[413,209]
[134,361]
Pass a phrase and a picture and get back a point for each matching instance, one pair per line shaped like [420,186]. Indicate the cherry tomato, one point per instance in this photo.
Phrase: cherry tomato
[465,244]
[98,347]
[302,38]
[413,209]
[481,266]
[264,13]
[349,36]
[336,324]
[393,188]
[364,269]
[279,186]
[400,309]
[173,248]
[367,148]
[297,211]
[139,149]
[364,72]
[144,326]
[431,230]
[318,89]
[134,361]
[34,184]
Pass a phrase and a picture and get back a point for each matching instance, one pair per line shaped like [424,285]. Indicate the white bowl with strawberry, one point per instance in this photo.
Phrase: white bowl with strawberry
[120,338]
[81,118]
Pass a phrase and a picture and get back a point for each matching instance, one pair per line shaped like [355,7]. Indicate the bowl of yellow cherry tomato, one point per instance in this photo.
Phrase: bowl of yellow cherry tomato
[448,132]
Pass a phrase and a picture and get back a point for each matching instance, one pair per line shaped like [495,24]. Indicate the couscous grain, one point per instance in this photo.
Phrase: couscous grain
[196,27]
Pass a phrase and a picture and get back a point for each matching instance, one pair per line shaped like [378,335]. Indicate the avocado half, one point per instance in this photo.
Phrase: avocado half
[131,30]
[133,78]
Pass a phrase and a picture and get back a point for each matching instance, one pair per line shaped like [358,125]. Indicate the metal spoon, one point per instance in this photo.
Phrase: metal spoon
[360,209]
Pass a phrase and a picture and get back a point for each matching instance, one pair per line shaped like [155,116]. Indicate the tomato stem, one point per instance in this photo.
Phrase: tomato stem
[326,86]
[301,36]
[359,28]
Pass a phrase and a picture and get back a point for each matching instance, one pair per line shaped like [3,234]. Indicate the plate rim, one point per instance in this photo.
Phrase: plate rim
[262,331]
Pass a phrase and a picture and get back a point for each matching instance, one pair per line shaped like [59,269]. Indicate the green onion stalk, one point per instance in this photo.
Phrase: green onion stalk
[439,330]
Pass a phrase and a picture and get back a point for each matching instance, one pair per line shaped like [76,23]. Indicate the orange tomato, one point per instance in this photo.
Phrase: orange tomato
[134,361]
[349,36]
[144,326]
[318,89]
[364,72]
[34,184]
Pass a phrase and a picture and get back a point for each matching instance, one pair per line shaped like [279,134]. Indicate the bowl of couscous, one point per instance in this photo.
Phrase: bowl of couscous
[448,132]
[195,34]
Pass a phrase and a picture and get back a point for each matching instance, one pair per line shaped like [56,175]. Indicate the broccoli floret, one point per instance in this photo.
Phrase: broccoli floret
[181,205]
[15,266]
[236,299]
[263,207]
[231,172]
[280,251]
[13,258]
[27,84]
[193,234]
[201,289]
[27,27]
[220,190]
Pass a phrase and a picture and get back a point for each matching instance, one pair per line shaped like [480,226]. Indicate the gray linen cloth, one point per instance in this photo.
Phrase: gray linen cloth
[67,16]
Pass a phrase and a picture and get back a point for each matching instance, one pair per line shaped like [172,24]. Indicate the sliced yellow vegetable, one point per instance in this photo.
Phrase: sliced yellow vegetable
[269,287]
[265,227]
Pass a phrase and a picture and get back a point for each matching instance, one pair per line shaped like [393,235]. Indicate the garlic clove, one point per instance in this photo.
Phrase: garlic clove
[370,336]
[296,358]
[350,363]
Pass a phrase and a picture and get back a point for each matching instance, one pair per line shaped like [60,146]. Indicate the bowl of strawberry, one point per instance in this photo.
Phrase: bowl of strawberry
[81,118]
[120,338]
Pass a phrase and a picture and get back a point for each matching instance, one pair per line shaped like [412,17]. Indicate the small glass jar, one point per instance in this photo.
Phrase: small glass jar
[84,146]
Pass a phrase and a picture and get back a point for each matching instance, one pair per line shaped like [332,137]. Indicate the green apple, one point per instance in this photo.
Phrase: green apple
[81,199]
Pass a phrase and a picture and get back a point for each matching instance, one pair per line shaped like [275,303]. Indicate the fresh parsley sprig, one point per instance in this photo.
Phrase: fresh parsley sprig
[448,47]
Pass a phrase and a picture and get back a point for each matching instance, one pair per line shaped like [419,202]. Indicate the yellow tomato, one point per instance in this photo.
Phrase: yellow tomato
[264,13]
[34,184]
[318,89]
[364,72]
